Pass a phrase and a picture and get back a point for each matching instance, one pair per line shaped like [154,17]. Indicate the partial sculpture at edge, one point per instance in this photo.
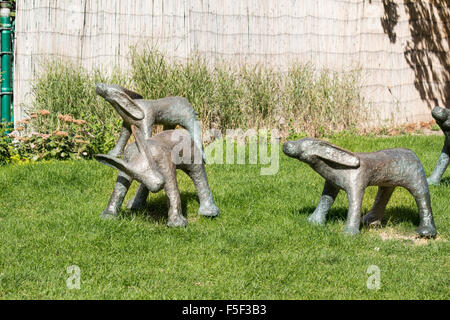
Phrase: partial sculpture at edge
[160,174]
[442,117]
[353,172]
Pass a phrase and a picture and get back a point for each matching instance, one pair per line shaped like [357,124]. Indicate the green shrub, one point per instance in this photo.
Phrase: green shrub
[6,148]
[68,139]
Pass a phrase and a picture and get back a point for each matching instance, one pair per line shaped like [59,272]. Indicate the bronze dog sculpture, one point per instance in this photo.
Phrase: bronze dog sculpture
[442,117]
[158,173]
[170,112]
[142,114]
[353,172]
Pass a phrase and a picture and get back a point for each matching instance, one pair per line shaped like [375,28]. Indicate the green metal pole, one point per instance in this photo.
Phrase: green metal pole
[6,53]
[12,69]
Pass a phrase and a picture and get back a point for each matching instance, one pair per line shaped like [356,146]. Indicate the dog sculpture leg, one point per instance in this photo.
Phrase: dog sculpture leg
[194,129]
[140,198]
[115,202]
[375,215]
[198,175]
[125,134]
[326,201]
[175,215]
[426,226]
[441,166]
[355,197]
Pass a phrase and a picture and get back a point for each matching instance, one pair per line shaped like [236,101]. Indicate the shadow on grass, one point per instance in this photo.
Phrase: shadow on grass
[445,182]
[156,208]
[394,215]
[335,214]
[399,215]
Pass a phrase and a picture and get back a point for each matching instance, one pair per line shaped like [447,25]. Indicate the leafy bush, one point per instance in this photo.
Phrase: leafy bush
[7,151]
[67,140]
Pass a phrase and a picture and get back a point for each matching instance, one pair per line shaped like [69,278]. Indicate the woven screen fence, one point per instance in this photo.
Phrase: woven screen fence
[401,47]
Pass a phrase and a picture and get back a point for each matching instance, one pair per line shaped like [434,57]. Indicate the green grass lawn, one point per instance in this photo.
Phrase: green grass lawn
[260,247]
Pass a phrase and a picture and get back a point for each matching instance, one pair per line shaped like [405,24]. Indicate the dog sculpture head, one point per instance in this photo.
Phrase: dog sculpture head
[122,100]
[143,169]
[442,117]
[309,150]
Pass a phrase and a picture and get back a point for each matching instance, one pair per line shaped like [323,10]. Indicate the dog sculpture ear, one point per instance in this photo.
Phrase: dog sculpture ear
[152,179]
[335,154]
[132,94]
[128,106]
[114,163]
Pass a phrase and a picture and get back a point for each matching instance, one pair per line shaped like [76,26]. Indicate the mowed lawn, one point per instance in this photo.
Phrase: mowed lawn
[260,247]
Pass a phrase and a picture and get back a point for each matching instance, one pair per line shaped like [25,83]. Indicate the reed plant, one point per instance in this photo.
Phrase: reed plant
[224,95]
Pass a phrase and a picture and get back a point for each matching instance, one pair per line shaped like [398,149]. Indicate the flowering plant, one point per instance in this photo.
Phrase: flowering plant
[69,140]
